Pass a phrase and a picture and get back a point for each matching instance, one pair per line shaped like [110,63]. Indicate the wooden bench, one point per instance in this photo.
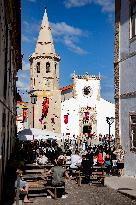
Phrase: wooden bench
[52,190]
[97,175]
[34,171]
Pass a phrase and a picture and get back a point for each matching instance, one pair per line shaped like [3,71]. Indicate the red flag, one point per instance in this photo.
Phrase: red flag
[24,114]
[66,119]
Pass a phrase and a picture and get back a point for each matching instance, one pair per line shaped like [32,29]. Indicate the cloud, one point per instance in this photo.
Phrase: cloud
[22,85]
[69,36]
[76,3]
[30,31]
[31,27]
[25,39]
[25,66]
[73,47]
[106,5]
[64,29]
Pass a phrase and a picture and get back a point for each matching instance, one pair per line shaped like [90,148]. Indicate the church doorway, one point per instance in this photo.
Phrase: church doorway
[87,129]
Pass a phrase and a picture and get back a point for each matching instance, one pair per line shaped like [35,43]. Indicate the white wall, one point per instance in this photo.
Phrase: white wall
[80,84]
[105,109]
[70,108]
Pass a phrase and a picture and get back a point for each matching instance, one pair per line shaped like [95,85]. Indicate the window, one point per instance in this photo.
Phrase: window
[5,62]
[38,67]
[47,67]
[133,19]
[55,68]
[34,81]
[133,131]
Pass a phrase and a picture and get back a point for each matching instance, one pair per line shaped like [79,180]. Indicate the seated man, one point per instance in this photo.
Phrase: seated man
[86,168]
[22,185]
[42,159]
[58,174]
[75,160]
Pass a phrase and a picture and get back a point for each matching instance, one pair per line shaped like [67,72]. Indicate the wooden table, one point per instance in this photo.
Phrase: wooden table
[33,176]
[39,166]
[34,171]
[98,174]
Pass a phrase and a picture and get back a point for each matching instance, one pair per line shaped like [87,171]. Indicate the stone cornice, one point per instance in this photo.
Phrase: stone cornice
[44,56]
[127,95]
[86,77]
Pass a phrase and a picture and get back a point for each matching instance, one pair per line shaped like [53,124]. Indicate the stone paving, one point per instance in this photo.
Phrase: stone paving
[87,195]
[125,184]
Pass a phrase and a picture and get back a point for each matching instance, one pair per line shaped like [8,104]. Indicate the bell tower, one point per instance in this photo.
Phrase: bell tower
[44,82]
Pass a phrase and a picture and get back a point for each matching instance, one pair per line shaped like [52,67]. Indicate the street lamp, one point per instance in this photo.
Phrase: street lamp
[33,101]
[109,120]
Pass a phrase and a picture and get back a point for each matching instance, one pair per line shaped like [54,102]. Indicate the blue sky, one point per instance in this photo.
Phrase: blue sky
[83,33]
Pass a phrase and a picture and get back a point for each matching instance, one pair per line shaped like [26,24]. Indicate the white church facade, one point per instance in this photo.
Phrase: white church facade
[83,111]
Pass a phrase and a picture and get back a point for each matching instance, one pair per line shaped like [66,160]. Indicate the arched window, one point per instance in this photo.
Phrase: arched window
[38,67]
[55,68]
[133,19]
[47,67]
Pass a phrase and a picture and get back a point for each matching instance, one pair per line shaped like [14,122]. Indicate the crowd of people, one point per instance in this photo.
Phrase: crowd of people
[45,152]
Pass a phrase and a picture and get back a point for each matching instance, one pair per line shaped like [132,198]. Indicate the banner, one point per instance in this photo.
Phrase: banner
[66,119]
[45,105]
[24,114]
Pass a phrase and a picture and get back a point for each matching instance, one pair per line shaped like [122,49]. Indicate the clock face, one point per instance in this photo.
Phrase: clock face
[87,91]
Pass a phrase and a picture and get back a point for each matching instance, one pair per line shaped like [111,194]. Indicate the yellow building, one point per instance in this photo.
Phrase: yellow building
[44,89]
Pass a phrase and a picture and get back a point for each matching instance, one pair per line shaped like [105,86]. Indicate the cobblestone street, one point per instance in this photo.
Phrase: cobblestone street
[87,195]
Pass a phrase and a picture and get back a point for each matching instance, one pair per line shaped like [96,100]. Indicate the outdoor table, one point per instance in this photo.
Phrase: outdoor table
[32,176]
[31,166]
[34,171]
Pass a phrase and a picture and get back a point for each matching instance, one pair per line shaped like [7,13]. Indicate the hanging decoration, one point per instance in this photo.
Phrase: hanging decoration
[66,119]
[24,114]
[45,105]
[86,115]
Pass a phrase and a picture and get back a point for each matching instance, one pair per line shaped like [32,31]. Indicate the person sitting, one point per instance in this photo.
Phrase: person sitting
[22,185]
[75,160]
[58,176]
[100,160]
[94,160]
[42,159]
[86,168]
[107,163]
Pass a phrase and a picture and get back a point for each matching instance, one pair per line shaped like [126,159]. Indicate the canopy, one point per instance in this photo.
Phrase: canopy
[38,134]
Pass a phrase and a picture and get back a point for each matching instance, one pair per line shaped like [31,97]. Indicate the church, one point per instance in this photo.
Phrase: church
[83,111]
[73,110]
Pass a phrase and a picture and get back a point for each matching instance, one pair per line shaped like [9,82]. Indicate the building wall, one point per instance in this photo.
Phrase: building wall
[127,88]
[66,95]
[10,61]
[105,109]
[127,106]
[80,84]
[21,123]
[54,111]
[73,106]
